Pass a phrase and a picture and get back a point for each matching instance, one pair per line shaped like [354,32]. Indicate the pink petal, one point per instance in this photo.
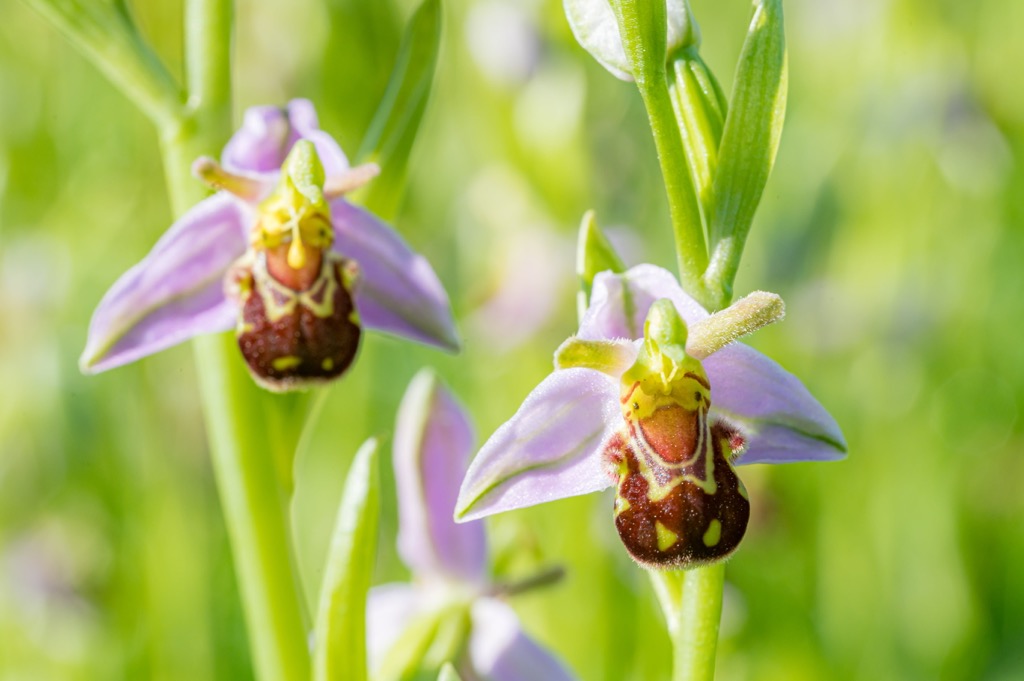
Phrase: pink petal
[389,608]
[550,449]
[433,442]
[502,652]
[619,302]
[175,292]
[782,420]
[268,133]
[398,291]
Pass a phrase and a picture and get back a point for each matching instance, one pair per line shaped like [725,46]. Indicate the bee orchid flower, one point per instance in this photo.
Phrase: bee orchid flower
[448,561]
[278,254]
[653,397]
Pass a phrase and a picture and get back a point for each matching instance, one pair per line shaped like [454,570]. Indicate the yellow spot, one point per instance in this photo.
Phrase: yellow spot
[327,364]
[296,252]
[666,537]
[621,505]
[286,362]
[713,534]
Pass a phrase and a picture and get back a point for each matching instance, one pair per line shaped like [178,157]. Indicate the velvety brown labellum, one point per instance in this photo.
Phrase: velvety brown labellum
[679,501]
[292,339]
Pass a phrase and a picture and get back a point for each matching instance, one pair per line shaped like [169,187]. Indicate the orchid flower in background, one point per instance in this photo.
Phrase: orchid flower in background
[652,396]
[279,255]
[433,441]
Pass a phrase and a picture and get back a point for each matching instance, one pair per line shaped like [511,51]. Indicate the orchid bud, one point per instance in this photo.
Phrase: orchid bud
[598,26]
[679,502]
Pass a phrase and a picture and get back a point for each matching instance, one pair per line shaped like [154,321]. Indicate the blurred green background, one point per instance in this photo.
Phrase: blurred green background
[891,226]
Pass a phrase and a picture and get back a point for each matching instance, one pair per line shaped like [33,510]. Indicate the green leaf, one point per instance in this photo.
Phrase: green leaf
[448,673]
[404,659]
[700,108]
[340,634]
[594,254]
[749,142]
[105,33]
[389,140]
[451,638]
[427,642]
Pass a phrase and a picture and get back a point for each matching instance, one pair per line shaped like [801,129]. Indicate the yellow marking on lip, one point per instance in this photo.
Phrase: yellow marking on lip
[327,364]
[666,537]
[621,506]
[286,362]
[713,534]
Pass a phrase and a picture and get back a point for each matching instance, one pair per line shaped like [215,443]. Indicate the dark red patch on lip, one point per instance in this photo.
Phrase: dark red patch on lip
[687,511]
[303,347]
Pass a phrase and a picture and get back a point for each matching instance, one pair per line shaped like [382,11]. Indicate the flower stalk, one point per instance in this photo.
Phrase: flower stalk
[245,462]
[643,28]
[191,122]
[692,603]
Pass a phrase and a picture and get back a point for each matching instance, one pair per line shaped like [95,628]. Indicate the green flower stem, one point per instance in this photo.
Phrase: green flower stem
[643,29]
[253,503]
[687,226]
[208,25]
[247,455]
[692,603]
[246,461]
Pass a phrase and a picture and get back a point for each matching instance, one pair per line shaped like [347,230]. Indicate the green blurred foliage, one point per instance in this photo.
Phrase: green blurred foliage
[891,226]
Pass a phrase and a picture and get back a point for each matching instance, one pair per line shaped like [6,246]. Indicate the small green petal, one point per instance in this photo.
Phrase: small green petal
[448,673]
[608,357]
[594,254]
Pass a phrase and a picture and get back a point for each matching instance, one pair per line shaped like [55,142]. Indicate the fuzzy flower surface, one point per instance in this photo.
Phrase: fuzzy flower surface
[278,253]
[448,561]
[638,402]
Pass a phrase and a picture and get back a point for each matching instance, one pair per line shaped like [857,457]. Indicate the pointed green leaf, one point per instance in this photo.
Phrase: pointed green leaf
[427,642]
[749,141]
[594,254]
[389,140]
[106,35]
[700,108]
[340,634]
[448,673]
[404,659]
[451,638]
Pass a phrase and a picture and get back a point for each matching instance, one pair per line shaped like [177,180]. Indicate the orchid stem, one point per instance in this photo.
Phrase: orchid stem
[253,502]
[191,122]
[692,603]
[254,497]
